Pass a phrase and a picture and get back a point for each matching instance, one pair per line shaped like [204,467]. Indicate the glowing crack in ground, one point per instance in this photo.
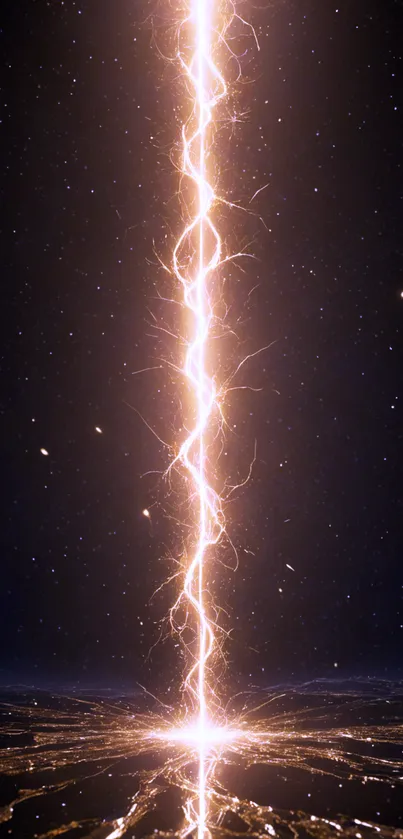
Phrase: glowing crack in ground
[315,762]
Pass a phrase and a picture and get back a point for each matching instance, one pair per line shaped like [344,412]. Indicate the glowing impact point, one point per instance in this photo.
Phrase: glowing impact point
[197,737]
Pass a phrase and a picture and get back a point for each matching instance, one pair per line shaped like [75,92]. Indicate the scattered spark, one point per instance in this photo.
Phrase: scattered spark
[289,566]
[98,429]
[45,452]
[146,369]
[257,192]
[146,513]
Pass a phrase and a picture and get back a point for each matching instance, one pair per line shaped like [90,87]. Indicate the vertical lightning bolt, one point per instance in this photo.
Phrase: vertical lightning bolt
[196,256]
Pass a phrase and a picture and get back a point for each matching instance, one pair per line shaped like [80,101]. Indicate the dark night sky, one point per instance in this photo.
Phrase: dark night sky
[86,187]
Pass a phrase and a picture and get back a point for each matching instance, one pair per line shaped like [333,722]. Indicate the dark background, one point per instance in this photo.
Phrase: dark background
[87,186]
